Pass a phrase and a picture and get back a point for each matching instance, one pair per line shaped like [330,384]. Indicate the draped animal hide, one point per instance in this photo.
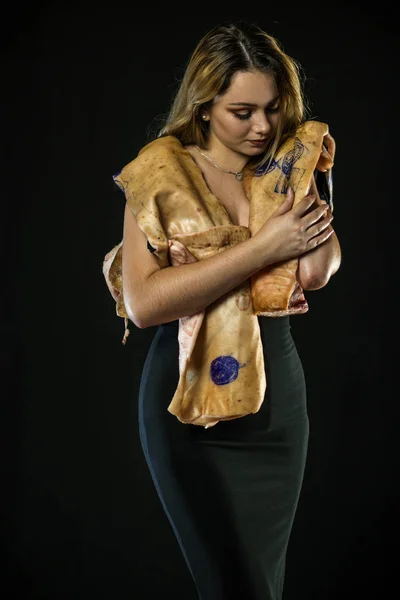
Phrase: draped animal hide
[275,290]
[221,366]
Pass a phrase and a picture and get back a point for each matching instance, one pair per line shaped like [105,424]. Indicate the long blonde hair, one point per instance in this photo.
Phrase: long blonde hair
[222,52]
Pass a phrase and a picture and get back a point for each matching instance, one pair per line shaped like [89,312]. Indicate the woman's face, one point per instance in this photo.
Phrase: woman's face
[246,116]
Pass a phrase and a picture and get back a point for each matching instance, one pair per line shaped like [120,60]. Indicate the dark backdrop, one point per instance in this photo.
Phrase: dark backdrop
[80,516]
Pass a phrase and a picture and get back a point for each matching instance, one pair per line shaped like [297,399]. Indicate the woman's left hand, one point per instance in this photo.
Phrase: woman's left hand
[327,156]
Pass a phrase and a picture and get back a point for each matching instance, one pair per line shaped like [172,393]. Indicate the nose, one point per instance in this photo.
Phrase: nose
[261,125]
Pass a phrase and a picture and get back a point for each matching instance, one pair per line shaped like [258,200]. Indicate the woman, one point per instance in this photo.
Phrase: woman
[229,490]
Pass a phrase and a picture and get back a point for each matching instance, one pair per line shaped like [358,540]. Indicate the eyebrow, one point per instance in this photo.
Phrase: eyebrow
[253,105]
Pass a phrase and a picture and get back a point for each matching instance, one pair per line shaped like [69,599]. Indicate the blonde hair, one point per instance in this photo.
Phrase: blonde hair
[222,52]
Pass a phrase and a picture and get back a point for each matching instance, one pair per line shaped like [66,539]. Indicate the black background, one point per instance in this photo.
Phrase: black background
[83,84]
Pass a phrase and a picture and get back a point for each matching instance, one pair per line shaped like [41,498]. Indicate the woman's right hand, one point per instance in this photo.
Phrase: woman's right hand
[293,230]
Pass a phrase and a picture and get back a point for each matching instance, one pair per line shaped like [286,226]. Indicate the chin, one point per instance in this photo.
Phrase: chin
[255,151]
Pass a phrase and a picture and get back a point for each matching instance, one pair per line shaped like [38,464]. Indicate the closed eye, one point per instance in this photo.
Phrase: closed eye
[243,116]
[247,115]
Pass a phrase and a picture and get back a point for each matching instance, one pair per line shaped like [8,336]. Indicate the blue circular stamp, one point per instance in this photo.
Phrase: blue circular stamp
[224,369]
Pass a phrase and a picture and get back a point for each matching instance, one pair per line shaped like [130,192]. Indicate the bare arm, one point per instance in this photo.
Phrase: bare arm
[153,296]
[318,265]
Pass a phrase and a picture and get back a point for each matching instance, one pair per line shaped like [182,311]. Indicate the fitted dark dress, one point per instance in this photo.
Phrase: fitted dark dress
[230,492]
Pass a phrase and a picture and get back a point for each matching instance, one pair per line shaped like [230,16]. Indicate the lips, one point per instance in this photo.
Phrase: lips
[258,142]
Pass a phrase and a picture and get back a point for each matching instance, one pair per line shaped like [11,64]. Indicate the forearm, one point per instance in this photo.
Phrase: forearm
[317,266]
[174,292]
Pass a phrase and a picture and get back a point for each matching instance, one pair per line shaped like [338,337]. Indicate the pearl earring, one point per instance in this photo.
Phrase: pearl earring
[204,117]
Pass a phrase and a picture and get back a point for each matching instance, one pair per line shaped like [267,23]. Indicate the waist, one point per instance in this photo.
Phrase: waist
[276,337]
[272,325]
[274,331]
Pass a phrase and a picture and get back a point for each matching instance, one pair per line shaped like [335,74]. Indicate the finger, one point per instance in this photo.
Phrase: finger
[179,254]
[320,239]
[319,226]
[330,145]
[304,205]
[316,215]
[324,163]
[327,153]
[287,203]
[290,193]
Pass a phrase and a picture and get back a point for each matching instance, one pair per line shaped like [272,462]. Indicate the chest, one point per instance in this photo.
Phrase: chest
[230,193]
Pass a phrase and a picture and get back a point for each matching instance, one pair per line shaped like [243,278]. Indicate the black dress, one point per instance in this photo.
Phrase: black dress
[230,492]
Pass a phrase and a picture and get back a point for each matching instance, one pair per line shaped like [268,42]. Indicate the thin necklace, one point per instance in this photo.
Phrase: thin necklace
[237,174]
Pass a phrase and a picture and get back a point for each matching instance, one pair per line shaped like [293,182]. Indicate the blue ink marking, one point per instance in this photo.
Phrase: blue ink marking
[267,168]
[288,162]
[224,369]
[287,168]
